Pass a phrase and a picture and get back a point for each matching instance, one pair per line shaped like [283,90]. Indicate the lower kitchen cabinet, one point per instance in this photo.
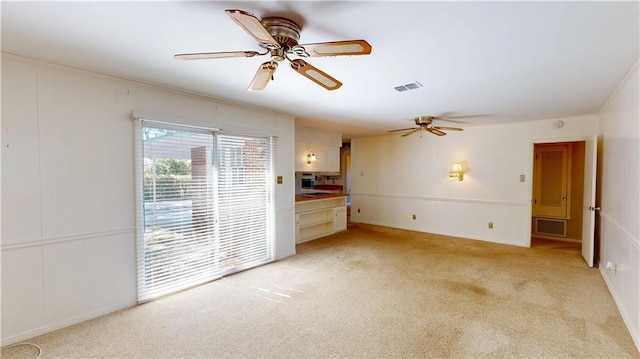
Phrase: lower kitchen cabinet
[320,217]
[340,219]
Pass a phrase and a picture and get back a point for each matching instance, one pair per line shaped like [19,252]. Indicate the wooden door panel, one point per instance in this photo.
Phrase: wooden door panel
[551,177]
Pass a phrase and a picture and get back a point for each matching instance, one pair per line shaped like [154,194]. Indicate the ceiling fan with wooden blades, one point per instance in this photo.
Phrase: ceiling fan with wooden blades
[279,37]
[425,123]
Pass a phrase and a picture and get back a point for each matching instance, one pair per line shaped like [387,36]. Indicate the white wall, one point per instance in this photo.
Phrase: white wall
[620,200]
[325,145]
[68,213]
[394,177]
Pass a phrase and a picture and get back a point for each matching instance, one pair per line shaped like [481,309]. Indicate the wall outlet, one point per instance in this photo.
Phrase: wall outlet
[279,179]
[490,225]
[414,216]
[521,178]
[358,210]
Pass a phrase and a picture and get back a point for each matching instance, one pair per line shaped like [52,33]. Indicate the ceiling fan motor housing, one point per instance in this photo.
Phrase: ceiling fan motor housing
[284,31]
[424,120]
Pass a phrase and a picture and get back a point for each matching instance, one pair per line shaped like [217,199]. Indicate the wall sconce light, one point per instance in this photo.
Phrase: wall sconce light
[311,157]
[456,171]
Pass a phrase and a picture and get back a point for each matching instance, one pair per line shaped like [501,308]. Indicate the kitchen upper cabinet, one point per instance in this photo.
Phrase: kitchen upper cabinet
[327,157]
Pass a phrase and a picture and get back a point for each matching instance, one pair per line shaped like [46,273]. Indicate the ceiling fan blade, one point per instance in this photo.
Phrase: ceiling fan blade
[215,55]
[411,132]
[456,119]
[448,128]
[337,48]
[435,131]
[253,27]
[312,73]
[446,116]
[403,129]
[263,76]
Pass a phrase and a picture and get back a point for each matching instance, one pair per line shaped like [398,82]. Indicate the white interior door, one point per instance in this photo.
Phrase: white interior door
[589,199]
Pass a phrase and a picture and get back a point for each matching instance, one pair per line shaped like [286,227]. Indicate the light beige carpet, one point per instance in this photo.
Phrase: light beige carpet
[373,292]
[556,244]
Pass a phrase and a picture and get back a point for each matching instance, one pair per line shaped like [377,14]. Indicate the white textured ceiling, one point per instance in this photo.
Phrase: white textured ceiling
[508,61]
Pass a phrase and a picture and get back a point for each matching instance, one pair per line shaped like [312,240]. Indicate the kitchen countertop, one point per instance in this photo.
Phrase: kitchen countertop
[301,198]
[328,187]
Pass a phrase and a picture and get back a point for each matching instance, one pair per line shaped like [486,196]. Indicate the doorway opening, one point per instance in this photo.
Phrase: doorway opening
[345,169]
[585,153]
[558,189]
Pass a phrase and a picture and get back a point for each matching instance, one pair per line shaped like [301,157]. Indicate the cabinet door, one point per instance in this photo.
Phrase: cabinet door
[339,219]
[327,159]
[551,181]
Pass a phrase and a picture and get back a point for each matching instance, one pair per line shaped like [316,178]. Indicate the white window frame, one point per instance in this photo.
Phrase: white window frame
[269,216]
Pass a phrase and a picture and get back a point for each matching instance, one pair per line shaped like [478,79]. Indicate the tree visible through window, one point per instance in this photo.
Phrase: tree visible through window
[207,206]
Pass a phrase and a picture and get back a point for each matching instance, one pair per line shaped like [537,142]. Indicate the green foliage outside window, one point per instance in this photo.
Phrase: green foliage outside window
[173,179]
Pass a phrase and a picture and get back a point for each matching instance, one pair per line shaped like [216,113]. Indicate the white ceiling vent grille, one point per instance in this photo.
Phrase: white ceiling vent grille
[407,87]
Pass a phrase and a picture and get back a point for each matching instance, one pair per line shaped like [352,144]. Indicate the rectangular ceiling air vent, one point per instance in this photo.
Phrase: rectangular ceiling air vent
[411,86]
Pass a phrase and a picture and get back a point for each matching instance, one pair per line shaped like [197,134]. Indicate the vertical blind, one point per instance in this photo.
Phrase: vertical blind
[206,206]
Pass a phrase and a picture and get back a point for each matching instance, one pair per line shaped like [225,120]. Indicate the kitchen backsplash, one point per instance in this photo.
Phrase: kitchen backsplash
[323,181]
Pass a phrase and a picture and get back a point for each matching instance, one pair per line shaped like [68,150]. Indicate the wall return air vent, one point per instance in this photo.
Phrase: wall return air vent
[407,87]
[551,227]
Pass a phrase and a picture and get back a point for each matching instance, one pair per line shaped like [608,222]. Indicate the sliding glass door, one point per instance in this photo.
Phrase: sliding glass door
[205,203]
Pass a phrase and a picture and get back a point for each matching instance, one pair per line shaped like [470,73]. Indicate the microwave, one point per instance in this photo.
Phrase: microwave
[307,181]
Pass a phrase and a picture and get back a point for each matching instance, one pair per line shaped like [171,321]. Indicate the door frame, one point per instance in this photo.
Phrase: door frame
[530,173]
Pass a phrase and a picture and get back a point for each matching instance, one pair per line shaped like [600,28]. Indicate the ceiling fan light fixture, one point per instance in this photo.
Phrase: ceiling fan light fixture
[424,123]
[278,55]
[279,36]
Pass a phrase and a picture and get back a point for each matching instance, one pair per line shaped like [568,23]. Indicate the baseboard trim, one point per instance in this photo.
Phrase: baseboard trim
[625,316]
[451,234]
[553,238]
[285,255]
[65,323]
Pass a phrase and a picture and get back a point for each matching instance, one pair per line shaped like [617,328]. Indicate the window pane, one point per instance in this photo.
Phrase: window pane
[207,206]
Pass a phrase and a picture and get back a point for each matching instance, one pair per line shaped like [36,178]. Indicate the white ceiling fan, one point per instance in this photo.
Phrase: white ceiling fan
[425,123]
[279,37]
